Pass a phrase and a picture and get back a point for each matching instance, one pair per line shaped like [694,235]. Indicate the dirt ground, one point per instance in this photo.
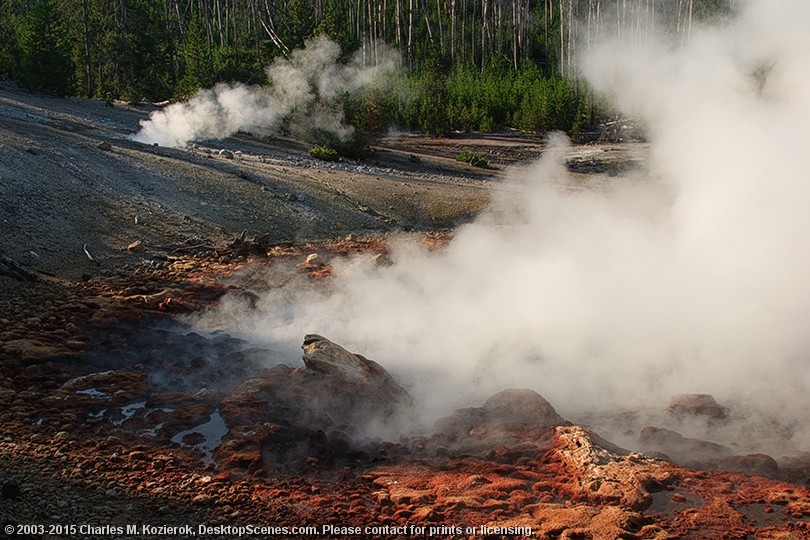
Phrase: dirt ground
[70,178]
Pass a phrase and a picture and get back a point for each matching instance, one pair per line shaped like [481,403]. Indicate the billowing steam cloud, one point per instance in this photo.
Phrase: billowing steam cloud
[303,93]
[691,277]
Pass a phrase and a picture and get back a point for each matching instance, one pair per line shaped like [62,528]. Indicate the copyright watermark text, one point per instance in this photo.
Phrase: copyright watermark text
[156,531]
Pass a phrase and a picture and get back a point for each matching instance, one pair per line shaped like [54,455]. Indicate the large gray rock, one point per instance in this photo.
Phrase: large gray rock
[504,419]
[329,358]
[521,406]
[283,415]
[324,356]
[336,388]
[700,405]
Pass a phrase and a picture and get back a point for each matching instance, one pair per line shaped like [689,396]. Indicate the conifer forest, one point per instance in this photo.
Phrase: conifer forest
[467,65]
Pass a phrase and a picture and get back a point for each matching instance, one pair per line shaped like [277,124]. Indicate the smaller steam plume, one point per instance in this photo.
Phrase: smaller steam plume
[305,90]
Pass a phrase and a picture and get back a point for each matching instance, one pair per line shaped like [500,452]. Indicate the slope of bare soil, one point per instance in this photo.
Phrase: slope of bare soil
[118,415]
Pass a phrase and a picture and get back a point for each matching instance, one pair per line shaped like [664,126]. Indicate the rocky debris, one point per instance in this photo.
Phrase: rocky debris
[11,268]
[580,486]
[314,260]
[35,351]
[242,246]
[697,405]
[605,476]
[136,247]
[118,386]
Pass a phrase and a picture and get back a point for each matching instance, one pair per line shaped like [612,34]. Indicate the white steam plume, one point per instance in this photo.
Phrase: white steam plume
[694,277]
[302,91]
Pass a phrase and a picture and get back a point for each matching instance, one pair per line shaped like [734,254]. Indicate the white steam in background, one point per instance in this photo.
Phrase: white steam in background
[303,91]
[692,278]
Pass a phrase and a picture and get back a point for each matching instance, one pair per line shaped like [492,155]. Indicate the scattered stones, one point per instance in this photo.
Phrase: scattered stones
[136,247]
[314,260]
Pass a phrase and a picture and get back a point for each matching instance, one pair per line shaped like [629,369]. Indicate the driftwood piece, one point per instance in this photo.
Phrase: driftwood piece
[11,268]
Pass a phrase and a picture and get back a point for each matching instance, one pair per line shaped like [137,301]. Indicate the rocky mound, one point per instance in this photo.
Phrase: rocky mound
[289,415]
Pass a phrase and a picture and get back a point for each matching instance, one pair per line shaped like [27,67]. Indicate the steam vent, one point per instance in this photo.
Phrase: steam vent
[487,271]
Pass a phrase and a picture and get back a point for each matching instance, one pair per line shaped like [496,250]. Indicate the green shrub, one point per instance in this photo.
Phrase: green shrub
[325,153]
[473,158]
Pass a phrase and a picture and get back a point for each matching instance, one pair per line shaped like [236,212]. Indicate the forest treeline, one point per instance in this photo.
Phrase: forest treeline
[467,64]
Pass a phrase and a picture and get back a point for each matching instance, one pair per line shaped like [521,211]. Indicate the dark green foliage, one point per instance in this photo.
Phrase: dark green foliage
[525,99]
[549,104]
[234,65]
[301,23]
[324,153]
[10,50]
[132,50]
[433,118]
[47,62]
[197,66]
[142,49]
[473,158]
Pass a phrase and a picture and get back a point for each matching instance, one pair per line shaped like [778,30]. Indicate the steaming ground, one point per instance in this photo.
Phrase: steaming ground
[304,93]
[689,278]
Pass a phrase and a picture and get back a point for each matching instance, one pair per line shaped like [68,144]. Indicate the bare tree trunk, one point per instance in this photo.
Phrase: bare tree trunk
[453,30]
[472,34]
[484,30]
[523,37]
[371,32]
[562,39]
[499,25]
[571,44]
[689,27]
[547,11]
[441,32]
[88,58]
[516,13]
[410,34]
[463,39]
[398,9]
[427,21]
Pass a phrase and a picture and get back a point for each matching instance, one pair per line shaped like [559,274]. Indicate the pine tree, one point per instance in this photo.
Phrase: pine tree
[9,41]
[47,60]
[196,60]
